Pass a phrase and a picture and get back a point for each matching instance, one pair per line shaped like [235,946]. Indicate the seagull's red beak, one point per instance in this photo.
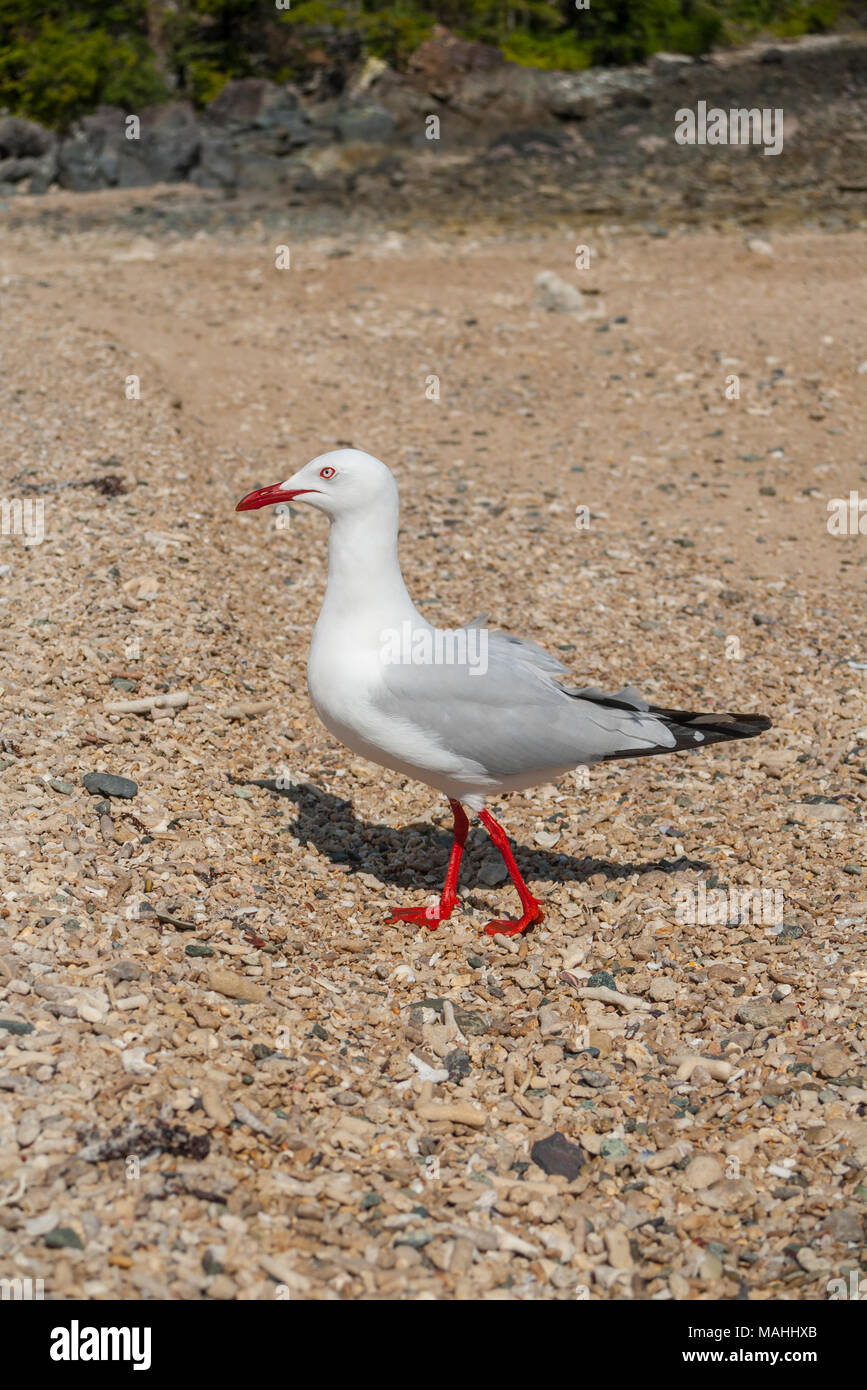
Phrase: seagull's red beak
[268,496]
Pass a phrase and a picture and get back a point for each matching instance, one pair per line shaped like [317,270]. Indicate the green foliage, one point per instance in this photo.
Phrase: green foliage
[60,68]
[626,31]
[204,82]
[59,60]
[556,52]
[390,31]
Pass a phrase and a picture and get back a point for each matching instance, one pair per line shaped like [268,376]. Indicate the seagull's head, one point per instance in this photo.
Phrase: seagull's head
[339,483]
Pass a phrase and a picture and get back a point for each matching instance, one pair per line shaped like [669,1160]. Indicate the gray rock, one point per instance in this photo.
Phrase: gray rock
[457,1064]
[126,970]
[764,1013]
[252,102]
[44,173]
[261,171]
[601,979]
[89,158]
[304,180]
[570,97]
[21,139]
[99,155]
[63,1237]
[78,166]
[170,141]
[216,167]
[471,1023]
[324,127]
[15,170]
[527,142]
[368,124]
[107,784]
[846,1226]
[557,1154]
[492,872]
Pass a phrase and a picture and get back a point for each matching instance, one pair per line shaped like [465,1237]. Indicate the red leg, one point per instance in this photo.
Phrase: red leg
[432,916]
[532,910]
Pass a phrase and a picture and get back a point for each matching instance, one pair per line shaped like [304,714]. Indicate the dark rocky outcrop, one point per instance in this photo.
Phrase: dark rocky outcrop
[259,136]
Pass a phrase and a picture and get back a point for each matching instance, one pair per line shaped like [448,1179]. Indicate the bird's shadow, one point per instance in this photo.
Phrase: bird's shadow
[330,824]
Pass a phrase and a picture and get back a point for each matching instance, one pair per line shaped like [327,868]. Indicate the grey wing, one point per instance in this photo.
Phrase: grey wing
[520,649]
[510,716]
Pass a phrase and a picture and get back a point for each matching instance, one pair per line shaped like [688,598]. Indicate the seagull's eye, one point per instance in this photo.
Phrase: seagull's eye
[326,472]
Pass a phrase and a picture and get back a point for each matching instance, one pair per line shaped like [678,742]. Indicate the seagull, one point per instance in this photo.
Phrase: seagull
[470,712]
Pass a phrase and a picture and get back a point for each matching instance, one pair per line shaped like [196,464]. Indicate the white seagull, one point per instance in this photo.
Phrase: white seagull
[471,713]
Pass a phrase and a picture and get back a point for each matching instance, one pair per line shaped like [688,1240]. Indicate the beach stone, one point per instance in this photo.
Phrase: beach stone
[234,986]
[550,1022]
[711,1267]
[617,1244]
[126,970]
[601,979]
[492,872]
[63,1238]
[763,1013]
[830,1061]
[662,989]
[702,1171]
[107,784]
[28,1130]
[557,1154]
[457,1064]
[819,811]
[471,1022]
[846,1225]
[57,784]
[557,295]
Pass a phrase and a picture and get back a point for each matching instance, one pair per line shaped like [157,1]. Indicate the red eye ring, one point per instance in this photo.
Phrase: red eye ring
[327,472]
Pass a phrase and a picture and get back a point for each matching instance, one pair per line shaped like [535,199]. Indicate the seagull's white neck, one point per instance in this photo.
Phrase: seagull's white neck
[365,585]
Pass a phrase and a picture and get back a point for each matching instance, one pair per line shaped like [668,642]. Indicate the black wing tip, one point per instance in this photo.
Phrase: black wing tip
[698,730]
[732,725]
[694,731]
